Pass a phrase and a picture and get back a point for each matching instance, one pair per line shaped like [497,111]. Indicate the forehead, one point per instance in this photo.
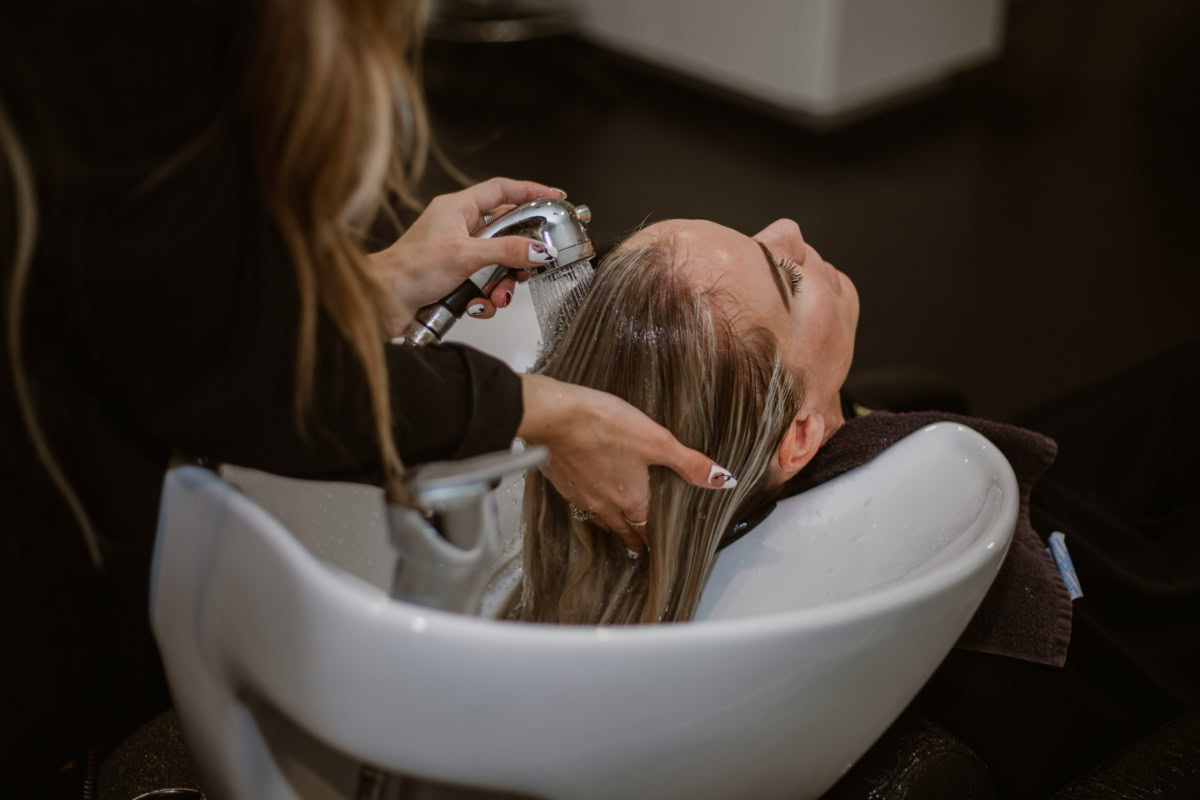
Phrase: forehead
[714,257]
[703,248]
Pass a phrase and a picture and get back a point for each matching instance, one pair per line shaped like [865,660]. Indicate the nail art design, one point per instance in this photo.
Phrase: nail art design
[542,253]
[475,310]
[721,478]
[507,299]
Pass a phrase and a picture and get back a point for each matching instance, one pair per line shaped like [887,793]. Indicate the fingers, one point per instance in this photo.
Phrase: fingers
[695,467]
[501,191]
[502,295]
[494,214]
[511,251]
[611,519]
[480,308]
[639,512]
[621,522]
[604,514]
[636,519]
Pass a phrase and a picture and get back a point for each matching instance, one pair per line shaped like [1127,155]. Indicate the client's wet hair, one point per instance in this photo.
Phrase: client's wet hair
[678,352]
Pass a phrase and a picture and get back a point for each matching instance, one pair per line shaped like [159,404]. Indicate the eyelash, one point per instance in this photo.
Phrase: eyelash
[793,271]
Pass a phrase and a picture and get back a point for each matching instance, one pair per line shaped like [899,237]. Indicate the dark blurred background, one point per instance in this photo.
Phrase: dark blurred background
[1019,233]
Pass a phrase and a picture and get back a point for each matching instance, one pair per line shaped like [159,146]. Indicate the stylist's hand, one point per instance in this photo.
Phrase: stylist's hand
[437,253]
[600,451]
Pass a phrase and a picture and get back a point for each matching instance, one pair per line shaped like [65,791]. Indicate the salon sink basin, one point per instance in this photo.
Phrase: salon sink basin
[291,667]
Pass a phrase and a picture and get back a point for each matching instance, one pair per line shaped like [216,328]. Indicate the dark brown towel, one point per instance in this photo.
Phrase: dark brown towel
[1027,612]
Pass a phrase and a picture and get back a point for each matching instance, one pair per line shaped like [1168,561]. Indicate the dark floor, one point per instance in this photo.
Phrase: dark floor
[1021,233]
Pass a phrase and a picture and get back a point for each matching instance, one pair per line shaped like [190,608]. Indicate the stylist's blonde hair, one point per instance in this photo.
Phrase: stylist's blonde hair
[678,352]
[337,123]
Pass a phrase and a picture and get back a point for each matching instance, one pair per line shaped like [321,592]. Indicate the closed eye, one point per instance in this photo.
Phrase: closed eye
[778,269]
[793,271]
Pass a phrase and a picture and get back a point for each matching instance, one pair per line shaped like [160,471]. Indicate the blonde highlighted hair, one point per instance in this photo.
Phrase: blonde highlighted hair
[338,122]
[337,126]
[677,352]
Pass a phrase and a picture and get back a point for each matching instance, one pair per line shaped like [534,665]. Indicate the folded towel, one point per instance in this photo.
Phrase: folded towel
[1027,612]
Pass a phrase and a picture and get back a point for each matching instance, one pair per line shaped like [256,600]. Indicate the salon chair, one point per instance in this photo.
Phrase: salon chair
[914,760]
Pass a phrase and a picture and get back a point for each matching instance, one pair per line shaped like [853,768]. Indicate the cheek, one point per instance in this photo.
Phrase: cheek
[833,343]
[814,337]
[821,314]
[832,328]
[850,291]
[850,320]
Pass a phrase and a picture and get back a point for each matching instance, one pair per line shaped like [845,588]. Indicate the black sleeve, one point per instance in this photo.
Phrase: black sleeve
[175,291]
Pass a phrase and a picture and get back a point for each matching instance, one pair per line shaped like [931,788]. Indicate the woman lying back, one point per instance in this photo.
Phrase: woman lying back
[739,347]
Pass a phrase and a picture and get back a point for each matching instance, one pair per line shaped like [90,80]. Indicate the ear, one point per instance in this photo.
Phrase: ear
[799,444]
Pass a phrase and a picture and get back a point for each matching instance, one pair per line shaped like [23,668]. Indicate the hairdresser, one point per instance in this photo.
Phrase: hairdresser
[184,187]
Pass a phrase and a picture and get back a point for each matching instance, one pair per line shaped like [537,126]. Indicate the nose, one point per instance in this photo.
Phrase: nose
[786,228]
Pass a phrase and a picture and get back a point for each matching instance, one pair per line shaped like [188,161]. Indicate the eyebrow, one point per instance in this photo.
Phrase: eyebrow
[777,275]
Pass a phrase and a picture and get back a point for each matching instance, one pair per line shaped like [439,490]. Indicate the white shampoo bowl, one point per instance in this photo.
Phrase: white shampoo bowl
[815,631]
[290,666]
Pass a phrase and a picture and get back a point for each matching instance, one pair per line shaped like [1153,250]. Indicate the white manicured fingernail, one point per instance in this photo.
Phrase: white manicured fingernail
[634,554]
[721,478]
[542,253]
[475,310]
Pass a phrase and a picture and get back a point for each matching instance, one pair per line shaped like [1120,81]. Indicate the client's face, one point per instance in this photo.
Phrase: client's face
[779,281]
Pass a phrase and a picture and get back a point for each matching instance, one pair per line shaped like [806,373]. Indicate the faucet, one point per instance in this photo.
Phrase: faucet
[561,225]
[448,543]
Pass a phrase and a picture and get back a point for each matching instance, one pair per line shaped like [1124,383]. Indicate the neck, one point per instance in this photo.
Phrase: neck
[834,418]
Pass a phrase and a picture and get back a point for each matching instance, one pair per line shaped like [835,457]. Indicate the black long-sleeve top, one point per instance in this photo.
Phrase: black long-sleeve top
[161,317]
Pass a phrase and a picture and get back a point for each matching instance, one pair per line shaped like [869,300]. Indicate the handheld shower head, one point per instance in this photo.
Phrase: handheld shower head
[559,224]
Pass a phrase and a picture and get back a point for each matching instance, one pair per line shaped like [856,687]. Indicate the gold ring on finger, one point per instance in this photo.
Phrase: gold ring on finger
[581,514]
[633,524]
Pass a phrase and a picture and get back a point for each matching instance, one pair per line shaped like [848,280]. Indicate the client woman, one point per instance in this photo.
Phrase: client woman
[734,344]
[740,347]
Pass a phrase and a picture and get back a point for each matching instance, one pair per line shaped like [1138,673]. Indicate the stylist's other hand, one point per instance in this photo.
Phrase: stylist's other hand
[438,253]
[600,451]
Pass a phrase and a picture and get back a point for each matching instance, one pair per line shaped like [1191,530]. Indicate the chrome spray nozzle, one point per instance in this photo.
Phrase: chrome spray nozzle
[559,224]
